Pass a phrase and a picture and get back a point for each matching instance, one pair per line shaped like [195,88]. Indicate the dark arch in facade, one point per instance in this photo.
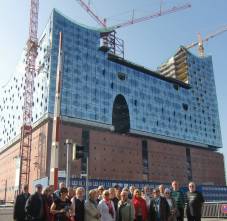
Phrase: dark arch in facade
[120,115]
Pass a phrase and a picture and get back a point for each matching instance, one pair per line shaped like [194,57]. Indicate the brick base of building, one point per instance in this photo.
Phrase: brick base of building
[114,156]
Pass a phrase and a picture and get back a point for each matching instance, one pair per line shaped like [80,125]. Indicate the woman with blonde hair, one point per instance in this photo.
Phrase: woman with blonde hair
[106,208]
[78,204]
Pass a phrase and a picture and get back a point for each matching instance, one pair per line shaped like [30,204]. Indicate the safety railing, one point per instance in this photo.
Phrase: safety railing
[215,210]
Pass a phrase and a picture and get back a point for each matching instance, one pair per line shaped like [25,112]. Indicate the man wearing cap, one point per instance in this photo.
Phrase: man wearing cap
[19,206]
[35,205]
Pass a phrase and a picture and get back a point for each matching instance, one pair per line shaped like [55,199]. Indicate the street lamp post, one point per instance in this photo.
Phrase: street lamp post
[68,160]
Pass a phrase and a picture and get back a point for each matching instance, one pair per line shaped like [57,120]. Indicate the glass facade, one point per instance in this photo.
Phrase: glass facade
[91,82]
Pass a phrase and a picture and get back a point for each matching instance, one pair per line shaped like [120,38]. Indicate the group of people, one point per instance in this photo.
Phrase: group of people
[113,204]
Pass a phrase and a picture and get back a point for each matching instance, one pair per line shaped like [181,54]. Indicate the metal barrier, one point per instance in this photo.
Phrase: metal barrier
[214,210]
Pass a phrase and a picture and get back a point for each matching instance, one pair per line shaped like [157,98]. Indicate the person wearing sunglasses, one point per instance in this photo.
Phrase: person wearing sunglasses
[172,205]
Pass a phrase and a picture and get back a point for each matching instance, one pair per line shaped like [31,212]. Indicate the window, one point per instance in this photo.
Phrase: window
[185,106]
[121,76]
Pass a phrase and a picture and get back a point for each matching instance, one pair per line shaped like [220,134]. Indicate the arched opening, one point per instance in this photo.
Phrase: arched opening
[120,115]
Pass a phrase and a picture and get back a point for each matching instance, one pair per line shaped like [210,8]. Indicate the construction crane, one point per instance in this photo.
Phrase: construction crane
[154,15]
[133,20]
[109,41]
[207,38]
[26,129]
[88,9]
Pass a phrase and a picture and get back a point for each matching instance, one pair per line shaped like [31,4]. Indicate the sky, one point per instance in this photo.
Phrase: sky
[149,43]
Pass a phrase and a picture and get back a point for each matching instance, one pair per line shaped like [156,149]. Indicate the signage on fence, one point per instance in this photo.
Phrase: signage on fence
[224,208]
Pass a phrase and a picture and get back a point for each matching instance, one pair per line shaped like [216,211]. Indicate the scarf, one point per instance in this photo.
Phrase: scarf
[110,207]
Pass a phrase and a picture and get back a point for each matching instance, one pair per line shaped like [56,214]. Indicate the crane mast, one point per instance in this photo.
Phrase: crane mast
[26,129]
[200,41]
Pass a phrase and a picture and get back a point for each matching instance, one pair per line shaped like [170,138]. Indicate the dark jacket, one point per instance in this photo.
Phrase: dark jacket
[164,210]
[34,207]
[19,207]
[79,210]
[194,204]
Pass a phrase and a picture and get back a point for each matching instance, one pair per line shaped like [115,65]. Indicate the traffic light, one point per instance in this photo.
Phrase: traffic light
[79,151]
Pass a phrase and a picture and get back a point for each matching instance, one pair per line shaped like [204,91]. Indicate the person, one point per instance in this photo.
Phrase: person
[71,193]
[56,194]
[125,189]
[147,195]
[106,208]
[78,204]
[118,193]
[178,196]
[131,191]
[161,190]
[172,205]
[100,193]
[35,205]
[113,197]
[47,203]
[61,207]
[159,208]
[125,210]
[141,212]
[19,206]
[91,212]
[117,188]
[195,202]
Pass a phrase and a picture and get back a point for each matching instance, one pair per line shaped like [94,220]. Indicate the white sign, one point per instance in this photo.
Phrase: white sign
[62,173]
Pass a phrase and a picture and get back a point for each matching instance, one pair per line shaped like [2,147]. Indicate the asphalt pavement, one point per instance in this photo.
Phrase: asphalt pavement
[6,214]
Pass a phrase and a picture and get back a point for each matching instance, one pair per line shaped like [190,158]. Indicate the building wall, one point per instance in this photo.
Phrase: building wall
[115,157]
[38,165]
[167,162]
[8,171]
[207,166]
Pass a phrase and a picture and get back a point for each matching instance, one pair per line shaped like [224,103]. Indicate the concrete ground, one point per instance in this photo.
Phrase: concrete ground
[210,219]
[6,214]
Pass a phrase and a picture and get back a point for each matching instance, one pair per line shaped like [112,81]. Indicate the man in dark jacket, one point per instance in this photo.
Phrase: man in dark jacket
[194,203]
[34,207]
[19,206]
[159,208]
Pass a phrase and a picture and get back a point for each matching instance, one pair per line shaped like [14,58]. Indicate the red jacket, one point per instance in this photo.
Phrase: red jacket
[139,202]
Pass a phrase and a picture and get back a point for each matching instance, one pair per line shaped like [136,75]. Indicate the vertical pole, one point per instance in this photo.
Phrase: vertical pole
[87,180]
[5,190]
[68,161]
[218,208]
[56,121]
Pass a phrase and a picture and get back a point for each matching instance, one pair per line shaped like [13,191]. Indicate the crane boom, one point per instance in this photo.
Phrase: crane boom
[92,14]
[26,129]
[207,38]
[133,20]
[148,17]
